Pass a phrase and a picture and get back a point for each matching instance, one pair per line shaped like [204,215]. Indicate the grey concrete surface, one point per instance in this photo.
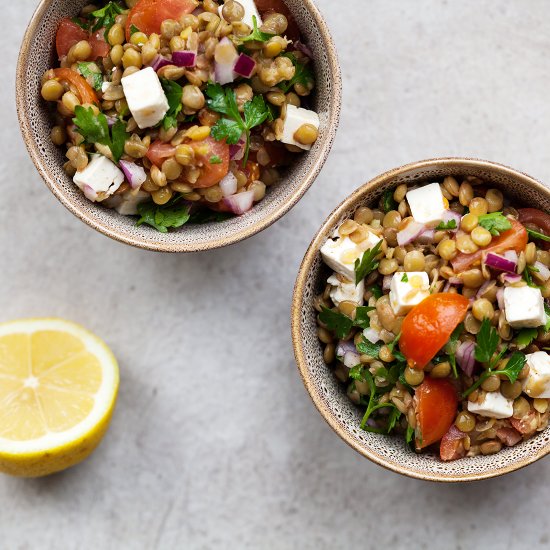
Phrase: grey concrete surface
[215,443]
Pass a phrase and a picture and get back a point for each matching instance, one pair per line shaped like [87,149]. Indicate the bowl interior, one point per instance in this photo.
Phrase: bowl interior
[329,395]
[38,55]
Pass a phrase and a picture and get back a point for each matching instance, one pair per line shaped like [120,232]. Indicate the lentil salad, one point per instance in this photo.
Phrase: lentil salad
[435,316]
[180,111]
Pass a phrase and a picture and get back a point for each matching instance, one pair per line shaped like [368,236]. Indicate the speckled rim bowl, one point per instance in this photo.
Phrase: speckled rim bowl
[38,54]
[329,396]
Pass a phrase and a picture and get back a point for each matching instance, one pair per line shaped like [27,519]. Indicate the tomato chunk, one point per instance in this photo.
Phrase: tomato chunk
[513,239]
[100,48]
[428,326]
[436,406]
[85,91]
[537,218]
[509,436]
[159,151]
[147,15]
[278,6]
[211,173]
[452,447]
[68,34]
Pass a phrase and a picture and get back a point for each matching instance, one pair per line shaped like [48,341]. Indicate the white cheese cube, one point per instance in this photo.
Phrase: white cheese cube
[408,290]
[340,253]
[537,384]
[250,10]
[145,97]
[427,203]
[100,179]
[296,117]
[344,290]
[524,307]
[493,405]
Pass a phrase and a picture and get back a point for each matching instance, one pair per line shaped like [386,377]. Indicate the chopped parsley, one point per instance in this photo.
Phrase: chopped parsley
[95,78]
[341,324]
[451,224]
[366,347]
[496,223]
[547,311]
[487,342]
[95,129]
[106,17]
[388,202]
[409,435]
[172,214]
[376,291]
[525,337]
[257,35]
[452,346]
[405,278]
[527,275]
[362,319]
[215,159]
[368,263]
[303,75]
[174,93]
[82,24]
[537,235]
[133,30]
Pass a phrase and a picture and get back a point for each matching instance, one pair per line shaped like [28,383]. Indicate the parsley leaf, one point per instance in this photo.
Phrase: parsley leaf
[303,75]
[215,159]
[525,337]
[529,269]
[388,202]
[163,217]
[95,129]
[133,29]
[409,435]
[451,224]
[368,263]
[257,35]
[376,291]
[80,23]
[362,320]
[207,216]
[105,17]
[95,78]
[537,235]
[495,223]
[173,92]
[356,373]
[487,342]
[234,126]
[365,347]
[452,346]
[405,278]
[547,311]
[394,416]
[337,322]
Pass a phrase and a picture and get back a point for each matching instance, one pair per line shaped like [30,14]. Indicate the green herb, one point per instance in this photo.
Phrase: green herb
[362,319]
[208,216]
[405,278]
[164,217]
[547,311]
[525,337]
[487,342]
[452,346]
[368,263]
[396,353]
[451,224]
[215,159]
[514,366]
[303,75]
[393,417]
[336,322]
[495,223]
[365,347]
[376,291]
[106,17]
[233,127]
[388,202]
[94,77]
[95,129]
[536,235]
[257,35]
[80,23]
[133,30]
[409,435]
[356,373]
[174,93]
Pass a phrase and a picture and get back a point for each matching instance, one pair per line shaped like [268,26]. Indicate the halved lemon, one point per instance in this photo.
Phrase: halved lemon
[58,387]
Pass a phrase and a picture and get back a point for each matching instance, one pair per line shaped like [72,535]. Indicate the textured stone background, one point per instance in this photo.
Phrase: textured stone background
[215,443]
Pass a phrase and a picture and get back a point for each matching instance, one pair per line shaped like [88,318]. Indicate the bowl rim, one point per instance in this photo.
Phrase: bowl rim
[334,108]
[355,198]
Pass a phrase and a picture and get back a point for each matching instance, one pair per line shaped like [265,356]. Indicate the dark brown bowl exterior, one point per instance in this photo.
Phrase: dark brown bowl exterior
[329,396]
[38,54]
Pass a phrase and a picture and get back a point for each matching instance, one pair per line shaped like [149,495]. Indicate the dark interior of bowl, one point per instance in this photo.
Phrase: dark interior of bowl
[36,125]
[330,395]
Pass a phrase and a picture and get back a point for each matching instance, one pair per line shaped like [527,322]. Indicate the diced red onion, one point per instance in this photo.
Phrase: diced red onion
[509,436]
[345,346]
[351,359]
[240,203]
[510,278]
[229,185]
[500,298]
[386,283]
[543,272]
[465,357]
[160,62]
[226,56]
[500,263]
[236,152]
[455,281]
[483,288]
[371,335]
[301,47]
[245,66]
[449,215]
[111,121]
[427,236]
[134,174]
[511,255]
[410,233]
[89,192]
[447,287]
[184,58]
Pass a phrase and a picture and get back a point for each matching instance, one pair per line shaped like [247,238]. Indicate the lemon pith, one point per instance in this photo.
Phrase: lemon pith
[58,386]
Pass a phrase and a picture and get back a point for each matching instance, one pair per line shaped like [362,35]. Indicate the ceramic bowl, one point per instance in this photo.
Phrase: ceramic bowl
[328,394]
[38,54]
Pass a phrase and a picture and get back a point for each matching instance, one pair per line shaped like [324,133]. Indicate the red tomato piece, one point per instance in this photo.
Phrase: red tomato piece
[68,34]
[278,155]
[452,447]
[85,91]
[538,218]
[428,326]
[513,239]
[526,425]
[147,15]
[509,436]
[100,48]
[159,151]
[436,406]
[278,6]
[211,174]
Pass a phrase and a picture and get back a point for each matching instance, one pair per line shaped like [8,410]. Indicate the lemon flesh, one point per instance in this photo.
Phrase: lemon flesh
[58,387]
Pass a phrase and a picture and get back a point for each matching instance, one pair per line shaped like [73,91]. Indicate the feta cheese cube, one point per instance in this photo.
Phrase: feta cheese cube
[537,384]
[427,203]
[408,290]
[145,97]
[250,10]
[344,290]
[100,179]
[296,117]
[524,307]
[340,253]
[493,405]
